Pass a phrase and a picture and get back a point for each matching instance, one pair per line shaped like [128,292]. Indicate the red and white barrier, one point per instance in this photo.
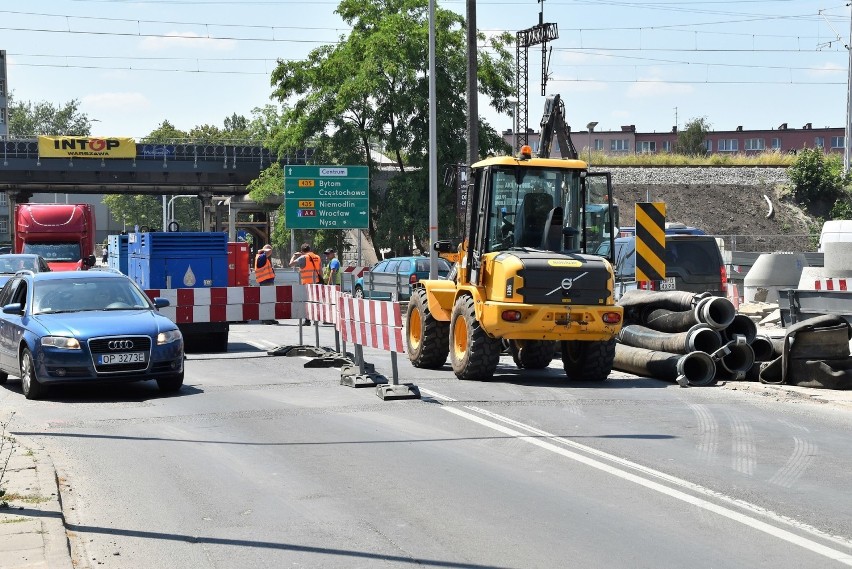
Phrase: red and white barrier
[734,295]
[232,304]
[321,303]
[358,272]
[832,284]
[371,323]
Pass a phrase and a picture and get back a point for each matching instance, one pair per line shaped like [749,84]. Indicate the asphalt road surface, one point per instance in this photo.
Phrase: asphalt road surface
[260,462]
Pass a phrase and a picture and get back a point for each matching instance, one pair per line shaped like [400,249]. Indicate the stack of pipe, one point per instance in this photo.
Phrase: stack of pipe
[694,339]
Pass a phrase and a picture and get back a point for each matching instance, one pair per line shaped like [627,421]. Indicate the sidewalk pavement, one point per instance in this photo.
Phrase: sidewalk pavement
[32,530]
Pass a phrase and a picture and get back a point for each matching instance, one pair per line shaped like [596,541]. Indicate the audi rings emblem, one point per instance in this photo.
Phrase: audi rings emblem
[120,344]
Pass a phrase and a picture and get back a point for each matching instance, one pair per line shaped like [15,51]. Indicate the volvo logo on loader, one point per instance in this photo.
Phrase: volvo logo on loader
[567,283]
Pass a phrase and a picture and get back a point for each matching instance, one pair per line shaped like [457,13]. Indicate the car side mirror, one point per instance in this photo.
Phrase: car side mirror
[90,261]
[14,308]
[444,246]
[160,302]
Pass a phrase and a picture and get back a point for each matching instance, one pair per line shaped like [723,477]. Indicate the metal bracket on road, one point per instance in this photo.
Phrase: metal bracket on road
[353,376]
[390,392]
[330,359]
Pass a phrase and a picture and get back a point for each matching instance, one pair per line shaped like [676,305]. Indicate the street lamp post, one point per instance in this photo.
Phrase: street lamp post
[514,102]
[591,126]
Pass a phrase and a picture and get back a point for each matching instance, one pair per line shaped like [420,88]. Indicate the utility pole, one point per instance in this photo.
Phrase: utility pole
[848,133]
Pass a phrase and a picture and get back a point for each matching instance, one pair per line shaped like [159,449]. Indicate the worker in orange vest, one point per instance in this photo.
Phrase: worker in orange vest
[264,274]
[310,267]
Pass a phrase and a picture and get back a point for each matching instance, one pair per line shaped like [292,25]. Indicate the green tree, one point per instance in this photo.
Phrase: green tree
[691,140]
[818,180]
[27,119]
[165,133]
[368,95]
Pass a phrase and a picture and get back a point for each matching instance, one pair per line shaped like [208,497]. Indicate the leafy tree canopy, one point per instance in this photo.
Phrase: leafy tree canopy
[27,118]
[369,94]
[818,181]
[691,140]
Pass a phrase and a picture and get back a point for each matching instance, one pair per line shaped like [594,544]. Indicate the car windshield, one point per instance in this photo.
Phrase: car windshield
[55,251]
[77,295]
[11,265]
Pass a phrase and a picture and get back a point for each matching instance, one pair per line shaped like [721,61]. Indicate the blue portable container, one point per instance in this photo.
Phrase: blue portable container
[117,253]
[179,259]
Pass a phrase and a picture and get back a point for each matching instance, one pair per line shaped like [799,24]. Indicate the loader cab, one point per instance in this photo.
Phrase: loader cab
[538,204]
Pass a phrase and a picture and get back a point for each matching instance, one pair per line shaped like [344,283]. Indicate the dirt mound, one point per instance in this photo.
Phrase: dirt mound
[739,214]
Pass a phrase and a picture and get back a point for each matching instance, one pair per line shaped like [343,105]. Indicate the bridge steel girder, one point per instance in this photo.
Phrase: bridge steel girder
[96,177]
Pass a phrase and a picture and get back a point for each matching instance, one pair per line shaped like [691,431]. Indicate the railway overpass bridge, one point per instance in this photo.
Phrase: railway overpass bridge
[205,170]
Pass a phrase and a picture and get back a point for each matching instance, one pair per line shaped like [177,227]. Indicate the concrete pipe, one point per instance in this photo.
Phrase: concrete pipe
[699,338]
[740,357]
[741,325]
[716,311]
[763,348]
[697,368]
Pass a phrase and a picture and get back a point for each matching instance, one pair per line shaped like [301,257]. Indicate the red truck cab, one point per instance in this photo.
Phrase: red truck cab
[63,234]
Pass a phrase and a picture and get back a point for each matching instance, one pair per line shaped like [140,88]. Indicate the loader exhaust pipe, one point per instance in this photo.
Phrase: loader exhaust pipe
[699,338]
[696,368]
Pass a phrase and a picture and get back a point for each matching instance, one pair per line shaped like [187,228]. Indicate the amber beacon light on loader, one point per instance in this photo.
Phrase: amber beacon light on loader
[526,274]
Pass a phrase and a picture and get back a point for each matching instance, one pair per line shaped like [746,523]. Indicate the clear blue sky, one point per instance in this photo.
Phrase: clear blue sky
[133,64]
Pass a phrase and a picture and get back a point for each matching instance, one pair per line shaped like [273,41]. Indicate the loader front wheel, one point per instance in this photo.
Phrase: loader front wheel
[532,354]
[588,361]
[473,354]
[427,339]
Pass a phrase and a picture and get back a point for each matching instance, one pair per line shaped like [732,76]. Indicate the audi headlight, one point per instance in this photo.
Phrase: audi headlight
[168,337]
[61,342]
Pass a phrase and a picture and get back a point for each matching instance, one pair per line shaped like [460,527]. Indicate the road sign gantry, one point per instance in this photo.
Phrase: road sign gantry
[327,197]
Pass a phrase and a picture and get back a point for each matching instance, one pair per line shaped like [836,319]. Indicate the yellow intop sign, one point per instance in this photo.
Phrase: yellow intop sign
[86,147]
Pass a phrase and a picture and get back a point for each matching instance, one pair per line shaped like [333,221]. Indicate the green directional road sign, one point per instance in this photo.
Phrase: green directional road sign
[327,197]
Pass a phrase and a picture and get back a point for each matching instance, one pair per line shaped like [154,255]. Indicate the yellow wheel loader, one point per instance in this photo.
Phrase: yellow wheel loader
[527,274]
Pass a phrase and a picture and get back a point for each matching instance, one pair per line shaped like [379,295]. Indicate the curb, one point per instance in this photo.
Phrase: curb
[48,522]
[57,549]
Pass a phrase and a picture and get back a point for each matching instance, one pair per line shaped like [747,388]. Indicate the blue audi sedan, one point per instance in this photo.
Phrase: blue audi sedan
[84,326]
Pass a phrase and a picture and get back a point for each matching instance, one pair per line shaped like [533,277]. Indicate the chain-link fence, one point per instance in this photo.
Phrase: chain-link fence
[766,243]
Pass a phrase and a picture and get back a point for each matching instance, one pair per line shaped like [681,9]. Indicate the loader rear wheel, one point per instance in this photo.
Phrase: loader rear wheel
[473,354]
[427,339]
[588,361]
[532,354]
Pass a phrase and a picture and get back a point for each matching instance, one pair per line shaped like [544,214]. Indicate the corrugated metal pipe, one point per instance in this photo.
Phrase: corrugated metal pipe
[699,338]
[734,359]
[695,368]
[741,325]
[716,311]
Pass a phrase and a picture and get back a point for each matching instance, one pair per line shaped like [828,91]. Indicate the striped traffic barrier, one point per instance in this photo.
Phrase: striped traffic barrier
[231,304]
[375,324]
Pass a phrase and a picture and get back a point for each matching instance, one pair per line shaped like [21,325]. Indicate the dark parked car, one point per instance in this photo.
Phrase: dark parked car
[693,264]
[13,262]
[72,326]
[401,271]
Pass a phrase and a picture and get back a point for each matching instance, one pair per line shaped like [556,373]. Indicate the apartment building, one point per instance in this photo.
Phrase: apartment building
[737,141]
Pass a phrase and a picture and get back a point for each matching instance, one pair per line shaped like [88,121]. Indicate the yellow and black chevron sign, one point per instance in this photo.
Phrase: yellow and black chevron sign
[650,241]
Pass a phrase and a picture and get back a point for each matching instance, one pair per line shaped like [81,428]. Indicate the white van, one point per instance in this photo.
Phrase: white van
[835,230]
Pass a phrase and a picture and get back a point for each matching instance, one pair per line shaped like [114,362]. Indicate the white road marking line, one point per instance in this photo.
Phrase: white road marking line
[834,554]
